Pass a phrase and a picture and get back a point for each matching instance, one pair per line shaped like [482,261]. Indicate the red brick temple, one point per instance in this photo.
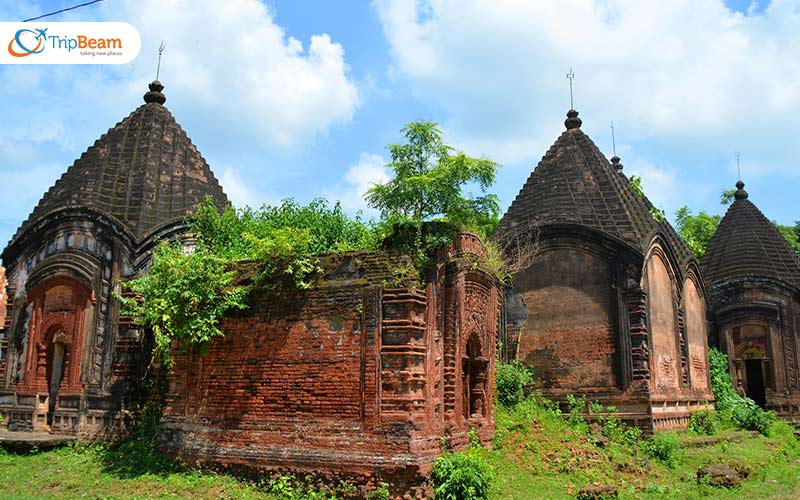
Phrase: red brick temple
[69,362]
[753,280]
[607,300]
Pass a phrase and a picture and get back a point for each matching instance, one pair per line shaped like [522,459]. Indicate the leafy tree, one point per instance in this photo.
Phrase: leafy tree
[791,233]
[726,196]
[429,177]
[696,230]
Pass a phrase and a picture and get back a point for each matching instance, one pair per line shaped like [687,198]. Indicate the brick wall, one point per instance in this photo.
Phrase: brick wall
[568,334]
[350,378]
[662,315]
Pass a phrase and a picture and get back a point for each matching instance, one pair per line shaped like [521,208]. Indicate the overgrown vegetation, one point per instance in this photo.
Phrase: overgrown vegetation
[513,383]
[187,291]
[541,452]
[738,411]
[461,475]
[537,453]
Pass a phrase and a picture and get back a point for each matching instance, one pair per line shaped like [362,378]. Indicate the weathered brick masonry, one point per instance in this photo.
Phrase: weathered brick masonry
[607,301]
[361,376]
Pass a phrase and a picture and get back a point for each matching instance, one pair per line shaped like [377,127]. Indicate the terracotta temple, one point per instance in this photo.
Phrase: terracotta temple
[753,279]
[69,362]
[607,300]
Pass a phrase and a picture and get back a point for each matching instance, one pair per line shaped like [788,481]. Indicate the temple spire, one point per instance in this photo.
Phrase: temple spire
[740,193]
[155,95]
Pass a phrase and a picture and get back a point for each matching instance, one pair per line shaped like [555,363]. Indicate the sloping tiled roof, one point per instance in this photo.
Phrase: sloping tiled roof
[574,183]
[747,244]
[144,172]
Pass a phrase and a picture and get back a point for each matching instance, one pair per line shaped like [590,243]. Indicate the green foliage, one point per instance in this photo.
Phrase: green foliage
[183,297]
[429,177]
[742,412]
[304,229]
[148,422]
[751,417]
[696,230]
[662,447]
[658,214]
[791,233]
[726,196]
[513,382]
[704,422]
[290,488]
[576,410]
[494,263]
[382,493]
[463,475]
[636,185]
[613,428]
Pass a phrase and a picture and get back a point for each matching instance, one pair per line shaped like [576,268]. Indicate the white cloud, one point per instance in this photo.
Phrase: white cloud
[685,70]
[360,177]
[233,62]
[240,193]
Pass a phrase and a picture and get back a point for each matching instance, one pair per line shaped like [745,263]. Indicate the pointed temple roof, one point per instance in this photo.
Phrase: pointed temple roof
[144,172]
[574,183]
[747,244]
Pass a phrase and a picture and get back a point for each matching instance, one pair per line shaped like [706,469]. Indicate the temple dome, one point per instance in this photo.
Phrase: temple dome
[575,184]
[746,243]
[143,173]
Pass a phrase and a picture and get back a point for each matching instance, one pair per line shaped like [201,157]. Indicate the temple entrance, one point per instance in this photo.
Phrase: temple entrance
[56,367]
[754,374]
[474,379]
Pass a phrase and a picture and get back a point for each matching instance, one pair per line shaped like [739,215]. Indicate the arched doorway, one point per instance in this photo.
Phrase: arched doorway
[57,350]
[473,373]
[753,360]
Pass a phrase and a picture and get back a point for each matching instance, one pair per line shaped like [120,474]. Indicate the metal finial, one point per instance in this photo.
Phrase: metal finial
[160,51]
[570,77]
[613,139]
[738,167]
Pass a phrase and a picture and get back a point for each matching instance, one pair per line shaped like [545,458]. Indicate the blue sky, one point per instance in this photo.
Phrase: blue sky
[300,98]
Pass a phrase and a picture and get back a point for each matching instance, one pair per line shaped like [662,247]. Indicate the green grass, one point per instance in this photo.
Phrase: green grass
[539,456]
[536,455]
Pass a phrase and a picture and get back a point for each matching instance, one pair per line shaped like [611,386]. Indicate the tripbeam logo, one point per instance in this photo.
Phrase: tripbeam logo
[39,37]
[69,43]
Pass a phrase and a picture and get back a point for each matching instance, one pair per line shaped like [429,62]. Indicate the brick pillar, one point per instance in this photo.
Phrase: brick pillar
[636,300]
[403,354]
[683,347]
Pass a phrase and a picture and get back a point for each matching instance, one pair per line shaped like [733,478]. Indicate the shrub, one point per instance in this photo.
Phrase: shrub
[576,409]
[382,493]
[704,422]
[743,412]
[749,416]
[461,476]
[513,383]
[662,447]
